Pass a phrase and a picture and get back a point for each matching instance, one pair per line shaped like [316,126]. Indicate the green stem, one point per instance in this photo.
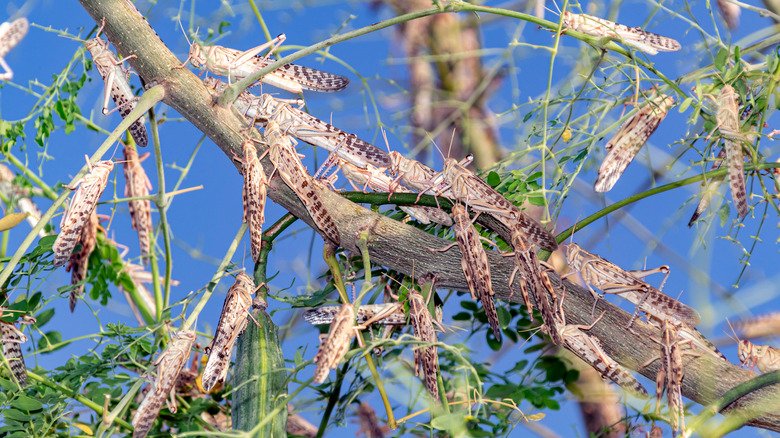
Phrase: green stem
[730,397]
[269,235]
[362,244]
[260,20]
[332,399]
[329,255]
[147,101]
[151,197]
[162,209]
[654,191]
[190,322]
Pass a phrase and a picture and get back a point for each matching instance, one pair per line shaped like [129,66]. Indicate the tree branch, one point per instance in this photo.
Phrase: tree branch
[404,248]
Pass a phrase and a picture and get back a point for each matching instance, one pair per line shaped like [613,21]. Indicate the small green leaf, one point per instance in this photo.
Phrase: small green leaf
[493,179]
[43,318]
[461,316]
[469,305]
[49,340]
[724,212]
[571,376]
[14,414]
[684,105]
[552,404]
[504,317]
[720,59]
[492,341]
[27,403]
[501,391]
[446,422]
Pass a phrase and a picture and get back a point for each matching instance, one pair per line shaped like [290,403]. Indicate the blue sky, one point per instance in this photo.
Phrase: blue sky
[203,222]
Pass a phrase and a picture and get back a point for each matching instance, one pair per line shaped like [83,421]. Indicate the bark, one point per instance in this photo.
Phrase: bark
[404,248]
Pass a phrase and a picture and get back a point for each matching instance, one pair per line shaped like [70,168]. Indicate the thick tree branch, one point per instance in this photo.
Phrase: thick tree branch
[404,248]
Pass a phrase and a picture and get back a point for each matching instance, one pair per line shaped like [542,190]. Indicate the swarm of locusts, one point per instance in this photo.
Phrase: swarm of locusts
[366,166]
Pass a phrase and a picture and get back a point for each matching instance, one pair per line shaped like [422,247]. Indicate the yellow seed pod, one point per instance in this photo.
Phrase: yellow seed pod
[566,136]
[12,220]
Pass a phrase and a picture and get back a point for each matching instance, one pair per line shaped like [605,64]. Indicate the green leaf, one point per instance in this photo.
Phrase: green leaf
[49,340]
[492,341]
[571,376]
[537,200]
[504,317]
[720,59]
[43,318]
[684,105]
[723,213]
[14,414]
[46,243]
[493,179]
[552,404]
[519,366]
[500,391]
[461,316]
[27,403]
[469,305]
[446,422]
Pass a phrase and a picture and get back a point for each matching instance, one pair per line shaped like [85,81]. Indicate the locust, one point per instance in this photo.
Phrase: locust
[79,261]
[730,13]
[610,278]
[117,85]
[377,180]
[413,174]
[288,164]
[636,37]
[169,365]
[305,127]
[763,357]
[588,348]
[83,203]
[474,263]
[235,64]
[232,323]
[137,184]
[426,359]
[387,314]
[687,332]
[728,125]
[366,314]
[11,33]
[630,138]
[253,196]
[533,277]
[12,338]
[761,325]
[670,373]
[369,423]
[299,426]
[711,187]
[334,345]
[468,188]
